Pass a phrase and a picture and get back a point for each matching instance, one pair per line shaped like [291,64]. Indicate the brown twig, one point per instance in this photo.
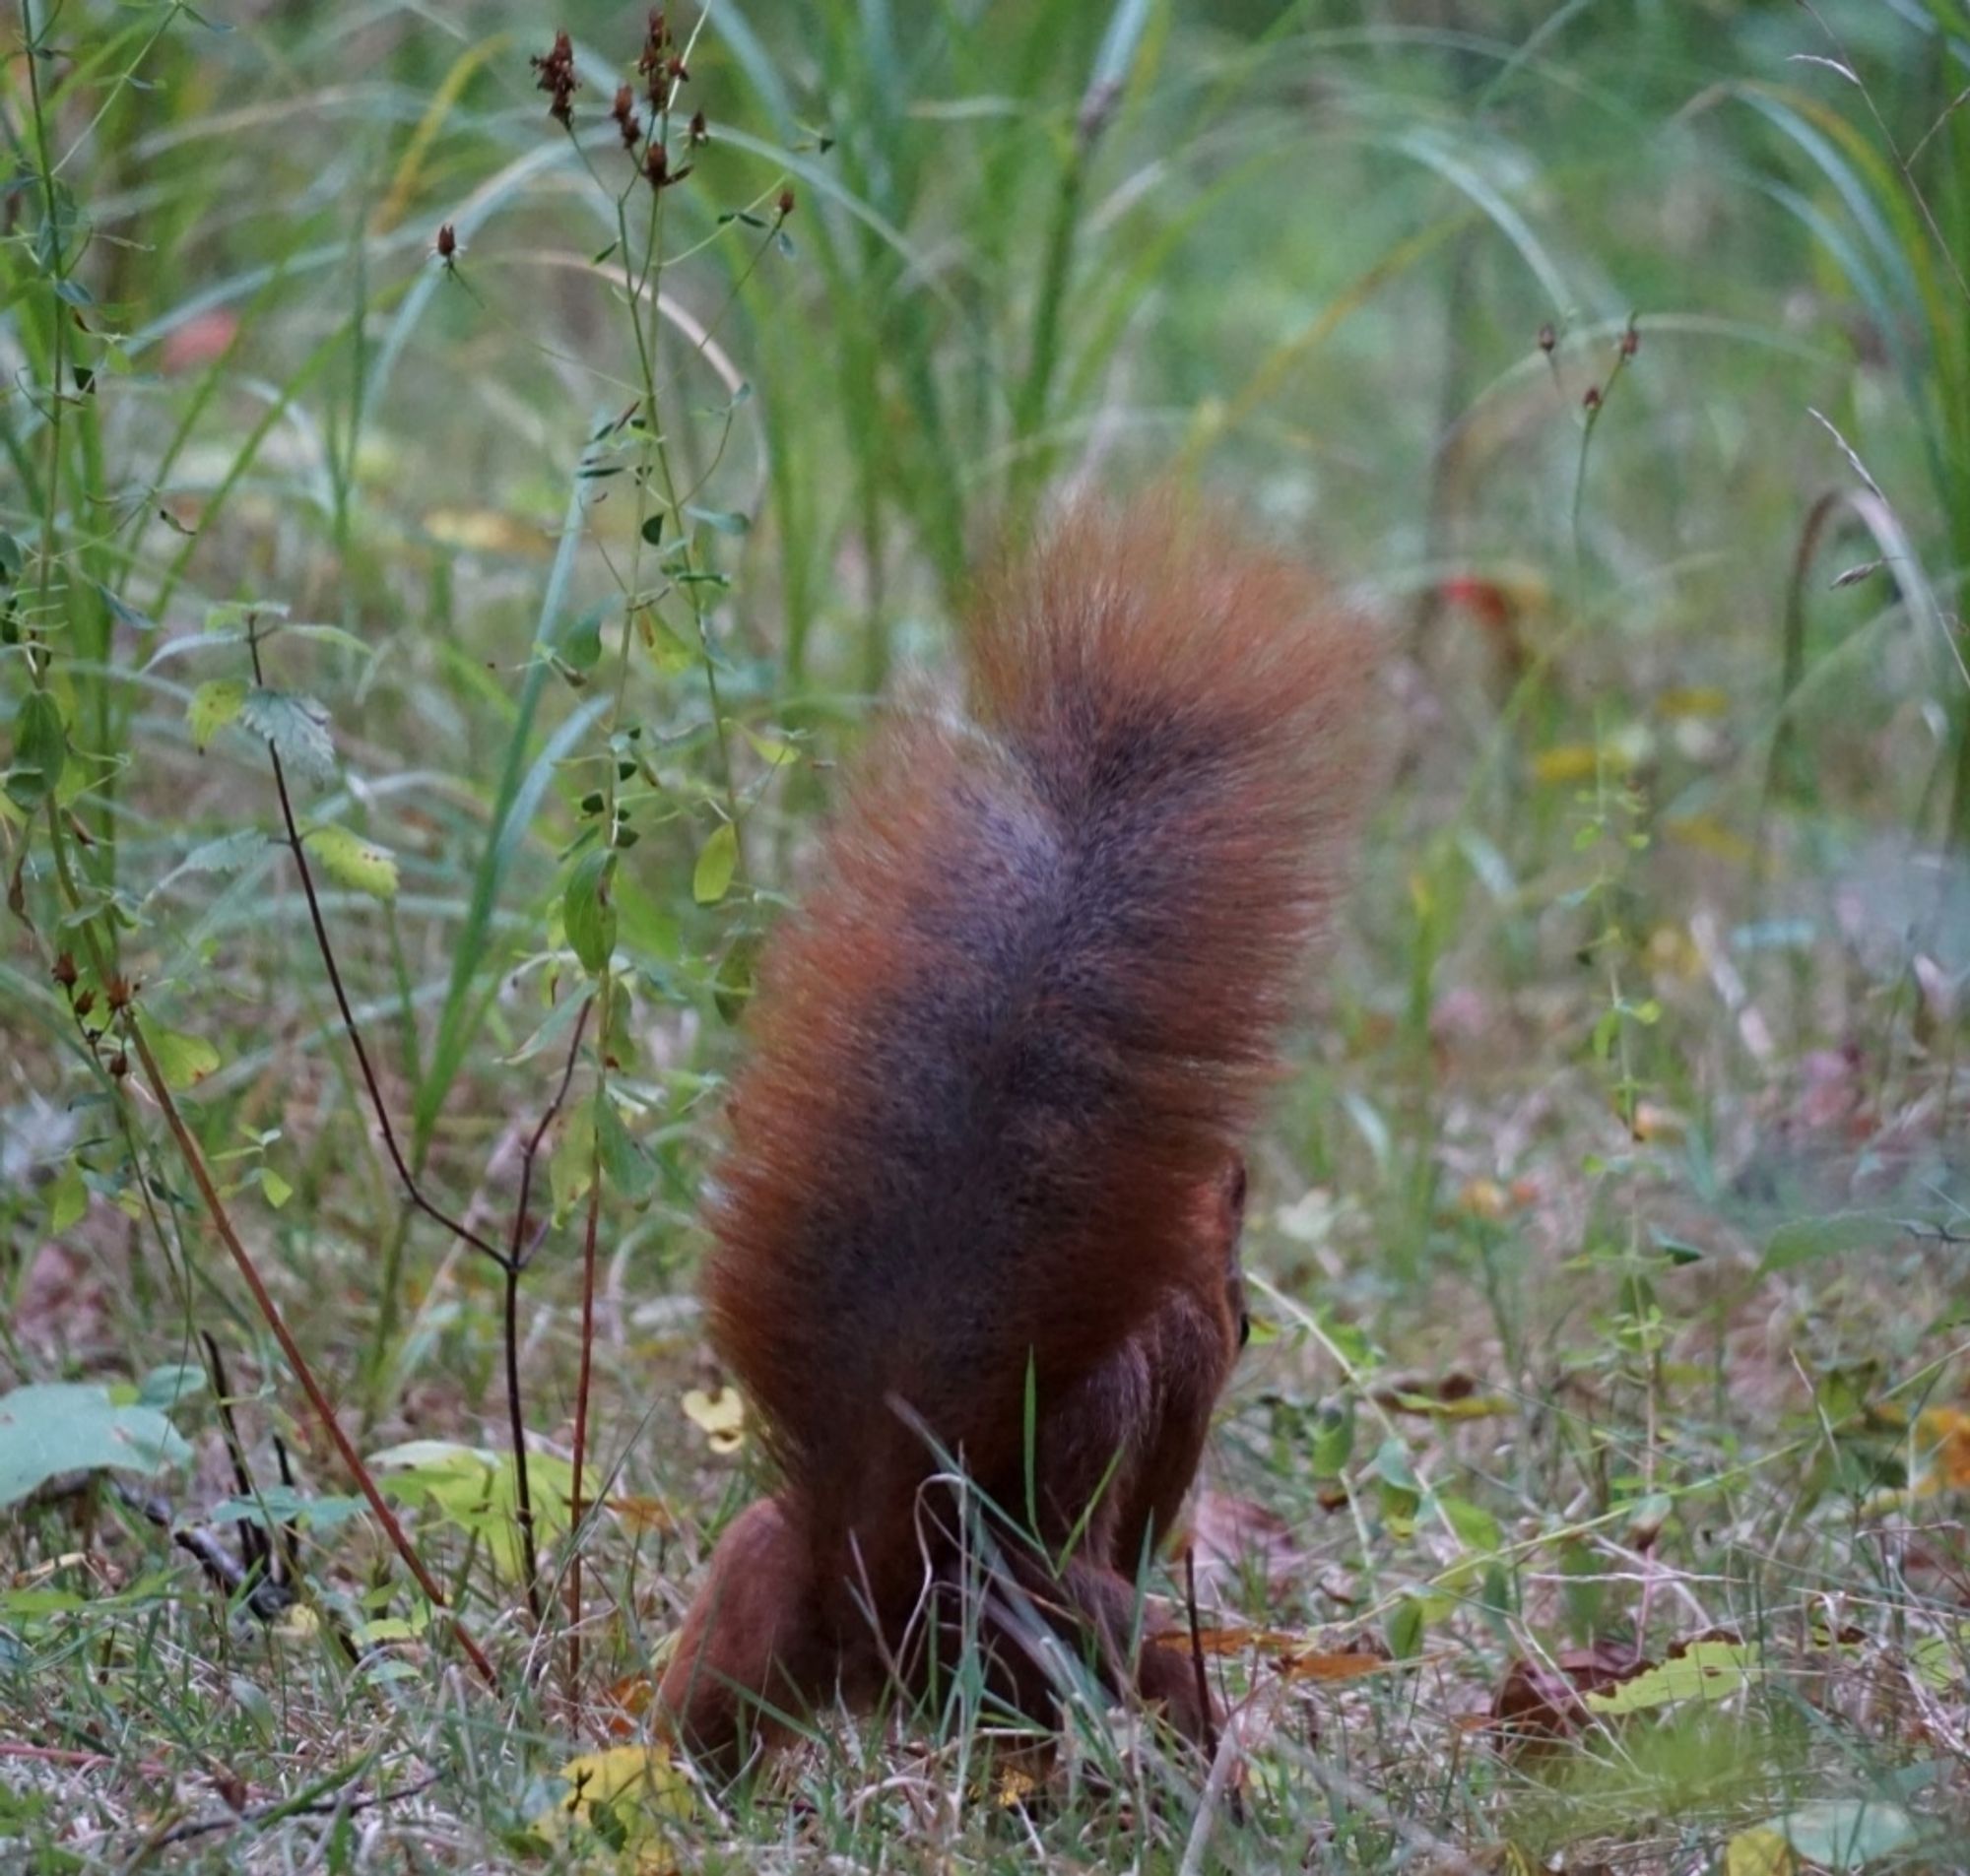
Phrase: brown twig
[513,1260]
[581,1419]
[1204,1714]
[82,1761]
[256,1545]
[280,1810]
[516,1262]
[270,1312]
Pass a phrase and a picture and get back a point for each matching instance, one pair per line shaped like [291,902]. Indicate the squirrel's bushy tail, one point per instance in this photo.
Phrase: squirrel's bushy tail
[1033,1001]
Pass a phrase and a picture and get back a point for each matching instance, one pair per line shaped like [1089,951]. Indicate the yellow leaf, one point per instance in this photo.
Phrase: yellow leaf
[643,1516]
[183,1061]
[1460,1406]
[627,1798]
[483,529]
[1673,952]
[1567,762]
[1657,1122]
[352,862]
[213,706]
[1015,1785]
[1697,700]
[1707,834]
[1941,1461]
[1759,1852]
[721,1417]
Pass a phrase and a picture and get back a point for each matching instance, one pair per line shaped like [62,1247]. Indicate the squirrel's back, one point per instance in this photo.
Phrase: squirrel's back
[1034,999]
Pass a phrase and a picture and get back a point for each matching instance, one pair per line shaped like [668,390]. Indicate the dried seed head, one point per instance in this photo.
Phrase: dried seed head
[120,1064]
[64,972]
[1631,341]
[655,58]
[557,78]
[1591,401]
[785,205]
[118,991]
[657,166]
[446,245]
[700,131]
[83,1002]
[623,110]
[679,72]
[1547,337]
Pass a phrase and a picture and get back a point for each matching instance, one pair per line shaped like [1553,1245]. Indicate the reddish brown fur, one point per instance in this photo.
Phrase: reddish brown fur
[1000,1065]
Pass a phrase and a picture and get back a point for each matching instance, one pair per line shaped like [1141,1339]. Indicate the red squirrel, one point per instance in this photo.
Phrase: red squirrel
[980,1207]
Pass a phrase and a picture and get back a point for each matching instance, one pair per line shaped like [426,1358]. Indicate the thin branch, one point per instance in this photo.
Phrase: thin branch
[270,1312]
[245,1582]
[1204,1714]
[581,1419]
[282,1809]
[256,1545]
[515,1263]
[457,1227]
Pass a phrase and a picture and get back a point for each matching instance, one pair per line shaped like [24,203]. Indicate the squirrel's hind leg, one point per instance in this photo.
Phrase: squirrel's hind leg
[753,1652]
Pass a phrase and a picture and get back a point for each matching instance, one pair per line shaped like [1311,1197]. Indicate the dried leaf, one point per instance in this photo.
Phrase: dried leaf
[1548,1698]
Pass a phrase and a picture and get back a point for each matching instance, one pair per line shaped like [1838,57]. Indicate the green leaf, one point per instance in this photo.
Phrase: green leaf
[40,749]
[352,862]
[1333,1441]
[558,1021]
[672,654]
[1845,1833]
[229,854]
[68,1199]
[124,613]
[165,1387]
[477,1491]
[296,726]
[1474,1526]
[1801,1240]
[581,643]
[234,616]
[331,635]
[653,529]
[76,1427]
[1404,1629]
[276,1190]
[630,1170]
[588,913]
[571,1169]
[717,861]
[1705,1670]
[183,1061]
[287,1506]
[770,749]
[732,986]
[1391,1466]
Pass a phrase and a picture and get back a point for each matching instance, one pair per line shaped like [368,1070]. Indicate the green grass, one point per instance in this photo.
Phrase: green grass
[1610,1232]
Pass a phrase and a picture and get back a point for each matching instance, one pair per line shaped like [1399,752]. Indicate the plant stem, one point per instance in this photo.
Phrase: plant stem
[271,1313]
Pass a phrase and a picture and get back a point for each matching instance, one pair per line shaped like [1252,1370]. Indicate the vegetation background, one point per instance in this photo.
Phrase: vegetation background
[445,554]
